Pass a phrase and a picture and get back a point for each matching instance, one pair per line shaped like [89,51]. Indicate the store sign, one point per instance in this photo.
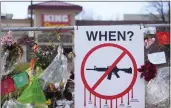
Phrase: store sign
[55,20]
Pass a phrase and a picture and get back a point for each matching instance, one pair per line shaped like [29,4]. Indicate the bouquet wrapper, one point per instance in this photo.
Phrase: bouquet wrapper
[56,71]
[33,93]
[10,104]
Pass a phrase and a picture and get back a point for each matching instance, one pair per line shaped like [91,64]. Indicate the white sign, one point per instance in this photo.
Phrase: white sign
[150,30]
[107,58]
[31,33]
[157,58]
[55,20]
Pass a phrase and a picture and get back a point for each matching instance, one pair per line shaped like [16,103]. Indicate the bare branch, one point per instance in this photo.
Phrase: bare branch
[160,7]
[154,17]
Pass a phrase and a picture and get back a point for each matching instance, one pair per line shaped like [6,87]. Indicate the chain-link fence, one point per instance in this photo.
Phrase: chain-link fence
[48,42]
[156,48]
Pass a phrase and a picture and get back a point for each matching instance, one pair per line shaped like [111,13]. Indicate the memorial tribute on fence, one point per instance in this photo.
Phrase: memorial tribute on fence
[106,66]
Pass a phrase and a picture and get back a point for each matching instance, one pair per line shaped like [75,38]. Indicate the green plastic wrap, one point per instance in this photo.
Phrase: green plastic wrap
[33,93]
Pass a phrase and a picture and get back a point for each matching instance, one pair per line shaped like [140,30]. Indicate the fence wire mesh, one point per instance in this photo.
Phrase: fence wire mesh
[159,48]
[48,42]
[155,48]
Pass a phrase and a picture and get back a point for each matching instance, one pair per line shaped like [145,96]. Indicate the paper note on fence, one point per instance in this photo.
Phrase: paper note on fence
[157,58]
[31,33]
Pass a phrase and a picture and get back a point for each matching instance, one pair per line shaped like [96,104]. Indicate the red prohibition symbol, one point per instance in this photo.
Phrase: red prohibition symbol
[92,89]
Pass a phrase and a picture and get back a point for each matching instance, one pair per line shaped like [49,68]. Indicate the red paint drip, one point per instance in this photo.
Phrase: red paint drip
[94,100]
[121,99]
[116,103]
[132,93]
[90,96]
[128,98]
[100,104]
[84,96]
[106,101]
[111,106]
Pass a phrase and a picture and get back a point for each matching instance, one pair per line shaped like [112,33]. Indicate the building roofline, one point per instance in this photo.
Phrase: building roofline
[67,6]
[123,22]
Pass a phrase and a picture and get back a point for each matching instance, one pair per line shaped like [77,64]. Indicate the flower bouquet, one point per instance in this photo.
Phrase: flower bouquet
[148,71]
[11,52]
[43,59]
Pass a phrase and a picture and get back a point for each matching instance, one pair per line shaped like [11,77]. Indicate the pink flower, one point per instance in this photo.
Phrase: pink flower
[148,42]
[7,38]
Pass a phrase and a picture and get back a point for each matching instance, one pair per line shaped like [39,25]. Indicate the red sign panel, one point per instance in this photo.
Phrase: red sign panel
[7,86]
[163,38]
[55,20]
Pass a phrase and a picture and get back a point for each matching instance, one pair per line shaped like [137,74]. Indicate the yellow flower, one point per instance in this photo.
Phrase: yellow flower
[48,102]
[51,88]
[71,55]
[61,85]
[58,36]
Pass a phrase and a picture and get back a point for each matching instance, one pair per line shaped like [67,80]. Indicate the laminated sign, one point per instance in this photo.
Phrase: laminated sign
[106,67]
[7,86]
[163,38]
[21,79]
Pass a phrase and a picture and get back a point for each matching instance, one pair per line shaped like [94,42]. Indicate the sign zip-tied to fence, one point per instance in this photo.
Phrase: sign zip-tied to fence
[107,61]
[106,65]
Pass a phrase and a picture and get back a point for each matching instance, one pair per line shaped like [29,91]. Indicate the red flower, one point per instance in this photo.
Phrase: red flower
[148,71]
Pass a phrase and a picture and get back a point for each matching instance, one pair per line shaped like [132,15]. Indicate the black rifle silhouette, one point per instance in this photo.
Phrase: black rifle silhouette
[114,71]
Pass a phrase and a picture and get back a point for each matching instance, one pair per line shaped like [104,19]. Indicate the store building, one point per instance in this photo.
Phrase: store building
[53,14]
[46,14]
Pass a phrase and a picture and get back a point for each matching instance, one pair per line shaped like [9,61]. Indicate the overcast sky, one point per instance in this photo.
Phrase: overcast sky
[100,10]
